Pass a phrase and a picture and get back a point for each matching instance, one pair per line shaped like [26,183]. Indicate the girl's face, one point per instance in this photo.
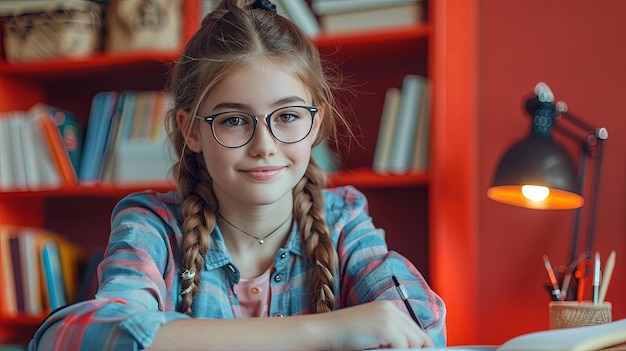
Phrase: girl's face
[265,170]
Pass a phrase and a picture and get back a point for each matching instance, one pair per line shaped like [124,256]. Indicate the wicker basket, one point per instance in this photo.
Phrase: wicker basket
[59,29]
[570,314]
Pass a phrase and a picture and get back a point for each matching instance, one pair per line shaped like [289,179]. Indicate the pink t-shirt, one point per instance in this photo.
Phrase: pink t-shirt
[254,295]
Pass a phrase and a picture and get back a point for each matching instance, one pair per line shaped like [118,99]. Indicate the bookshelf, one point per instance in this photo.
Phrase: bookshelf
[372,60]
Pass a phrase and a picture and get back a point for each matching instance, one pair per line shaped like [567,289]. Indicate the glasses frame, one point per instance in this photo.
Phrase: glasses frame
[313,110]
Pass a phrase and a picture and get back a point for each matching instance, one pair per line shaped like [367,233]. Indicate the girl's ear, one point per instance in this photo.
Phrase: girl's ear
[189,133]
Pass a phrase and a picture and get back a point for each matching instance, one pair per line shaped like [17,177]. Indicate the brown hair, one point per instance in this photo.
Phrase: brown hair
[234,36]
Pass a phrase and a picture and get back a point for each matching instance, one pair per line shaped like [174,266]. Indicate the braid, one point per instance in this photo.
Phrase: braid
[194,187]
[309,211]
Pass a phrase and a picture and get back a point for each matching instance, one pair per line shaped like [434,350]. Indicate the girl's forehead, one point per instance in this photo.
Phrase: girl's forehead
[251,85]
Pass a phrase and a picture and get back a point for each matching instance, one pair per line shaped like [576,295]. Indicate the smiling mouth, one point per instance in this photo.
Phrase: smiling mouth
[264,174]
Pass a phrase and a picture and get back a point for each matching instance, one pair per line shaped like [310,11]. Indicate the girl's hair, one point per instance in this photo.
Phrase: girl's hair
[233,36]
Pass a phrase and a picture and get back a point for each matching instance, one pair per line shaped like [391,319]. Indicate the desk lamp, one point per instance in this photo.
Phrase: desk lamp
[538,173]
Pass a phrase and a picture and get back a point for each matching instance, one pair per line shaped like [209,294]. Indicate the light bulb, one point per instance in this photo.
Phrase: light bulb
[535,193]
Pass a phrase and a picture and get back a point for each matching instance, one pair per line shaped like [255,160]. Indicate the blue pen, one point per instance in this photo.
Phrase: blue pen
[405,299]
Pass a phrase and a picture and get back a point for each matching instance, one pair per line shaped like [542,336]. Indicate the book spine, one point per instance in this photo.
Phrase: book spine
[6,169]
[102,111]
[51,264]
[404,134]
[55,143]
[17,155]
[8,298]
[388,120]
[421,148]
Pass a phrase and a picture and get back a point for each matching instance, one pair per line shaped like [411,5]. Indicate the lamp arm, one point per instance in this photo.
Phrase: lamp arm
[594,137]
[594,197]
[597,133]
[573,252]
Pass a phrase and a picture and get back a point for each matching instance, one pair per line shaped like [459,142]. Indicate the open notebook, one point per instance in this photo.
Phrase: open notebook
[605,337]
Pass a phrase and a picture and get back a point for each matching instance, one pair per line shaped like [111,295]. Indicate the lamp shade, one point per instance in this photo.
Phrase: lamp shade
[537,160]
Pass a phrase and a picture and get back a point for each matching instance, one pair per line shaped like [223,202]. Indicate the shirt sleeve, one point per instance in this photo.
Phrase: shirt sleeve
[139,267]
[367,267]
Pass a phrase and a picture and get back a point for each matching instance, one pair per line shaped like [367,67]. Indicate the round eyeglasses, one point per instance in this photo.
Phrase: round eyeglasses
[289,125]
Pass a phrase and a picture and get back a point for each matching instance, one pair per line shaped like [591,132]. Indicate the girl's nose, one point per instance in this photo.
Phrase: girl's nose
[263,143]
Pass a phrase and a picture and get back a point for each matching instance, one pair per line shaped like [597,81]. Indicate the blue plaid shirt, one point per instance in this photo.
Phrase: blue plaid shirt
[139,282]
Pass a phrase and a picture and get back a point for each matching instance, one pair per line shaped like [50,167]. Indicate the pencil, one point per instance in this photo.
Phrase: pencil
[556,291]
[606,276]
[405,299]
[596,279]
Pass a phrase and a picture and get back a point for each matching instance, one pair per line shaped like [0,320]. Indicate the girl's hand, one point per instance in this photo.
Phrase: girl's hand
[373,325]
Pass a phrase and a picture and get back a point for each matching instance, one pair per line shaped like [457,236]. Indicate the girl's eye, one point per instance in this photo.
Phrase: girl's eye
[286,117]
[234,120]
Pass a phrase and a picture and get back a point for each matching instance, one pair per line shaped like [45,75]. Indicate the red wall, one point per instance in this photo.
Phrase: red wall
[579,49]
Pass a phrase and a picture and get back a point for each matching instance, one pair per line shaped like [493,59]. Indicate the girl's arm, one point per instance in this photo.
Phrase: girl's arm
[368,326]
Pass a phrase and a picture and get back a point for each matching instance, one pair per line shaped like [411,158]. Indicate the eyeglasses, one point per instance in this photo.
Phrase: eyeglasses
[289,125]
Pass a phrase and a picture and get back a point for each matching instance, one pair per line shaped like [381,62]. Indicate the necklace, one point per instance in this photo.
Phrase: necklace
[260,239]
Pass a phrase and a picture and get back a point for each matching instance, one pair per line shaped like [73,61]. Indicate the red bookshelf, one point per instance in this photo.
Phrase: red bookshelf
[373,61]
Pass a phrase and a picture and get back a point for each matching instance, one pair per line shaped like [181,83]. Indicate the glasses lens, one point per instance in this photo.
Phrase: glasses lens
[291,124]
[233,129]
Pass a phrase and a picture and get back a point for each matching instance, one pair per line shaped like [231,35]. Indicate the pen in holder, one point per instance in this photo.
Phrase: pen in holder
[570,314]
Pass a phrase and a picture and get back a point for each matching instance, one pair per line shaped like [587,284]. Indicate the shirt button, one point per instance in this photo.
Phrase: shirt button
[277,278]
[255,290]
[283,255]
[278,315]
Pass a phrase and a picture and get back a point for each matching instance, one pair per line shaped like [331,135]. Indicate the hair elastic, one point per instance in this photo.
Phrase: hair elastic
[264,5]
[186,275]
[186,291]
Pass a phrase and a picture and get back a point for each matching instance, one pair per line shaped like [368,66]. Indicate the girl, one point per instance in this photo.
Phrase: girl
[250,230]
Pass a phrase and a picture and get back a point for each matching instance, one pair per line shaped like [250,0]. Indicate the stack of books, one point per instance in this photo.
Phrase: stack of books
[403,135]
[339,16]
[40,148]
[39,271]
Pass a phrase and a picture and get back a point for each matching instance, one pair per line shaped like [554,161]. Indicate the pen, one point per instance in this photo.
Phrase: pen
[596,279]
[606,276]
[566,279]
[405,299]
[556,291]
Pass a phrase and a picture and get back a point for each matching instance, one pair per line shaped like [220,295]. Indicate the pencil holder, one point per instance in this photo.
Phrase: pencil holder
[570,314]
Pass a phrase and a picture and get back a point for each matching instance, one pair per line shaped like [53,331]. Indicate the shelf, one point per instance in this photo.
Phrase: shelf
[376,45]
[392,42]
[367,178]
[86,67]
[364,178]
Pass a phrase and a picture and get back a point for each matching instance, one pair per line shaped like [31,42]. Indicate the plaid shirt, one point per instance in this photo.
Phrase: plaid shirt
[140,284]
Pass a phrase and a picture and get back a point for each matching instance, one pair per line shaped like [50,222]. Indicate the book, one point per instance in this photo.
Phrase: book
[29,154]
[324,7]
[29,259]
[103,109]
[17,152]
[6,172]
[18,281]
[47,172]
[302,15]
[600,337]
[53,274]
[595,337]
[53,140]
[386,129]
[8,300]
[374,18]
[406,124]
[419,161]
[139,150]
[69,128]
